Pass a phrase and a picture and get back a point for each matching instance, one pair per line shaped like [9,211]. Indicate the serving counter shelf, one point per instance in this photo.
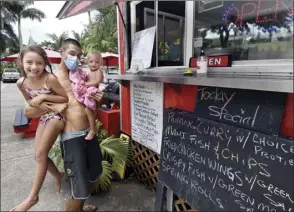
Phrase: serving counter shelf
[251,82]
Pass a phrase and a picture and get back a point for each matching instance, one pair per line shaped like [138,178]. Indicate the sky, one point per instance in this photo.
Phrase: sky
[51,24]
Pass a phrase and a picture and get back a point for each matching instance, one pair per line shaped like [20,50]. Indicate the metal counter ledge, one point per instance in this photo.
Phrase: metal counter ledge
[262,83]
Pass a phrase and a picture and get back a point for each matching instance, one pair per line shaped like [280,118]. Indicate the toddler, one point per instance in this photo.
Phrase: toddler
[85,84]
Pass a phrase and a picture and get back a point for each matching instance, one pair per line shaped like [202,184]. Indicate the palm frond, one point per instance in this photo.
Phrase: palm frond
[116,147]
[9,31]
[28,3]
[7,12]
[14,8]
[76,35]
[99,35]
[8,37]
[104,180]
[57,40]
[33,14]
[52,36]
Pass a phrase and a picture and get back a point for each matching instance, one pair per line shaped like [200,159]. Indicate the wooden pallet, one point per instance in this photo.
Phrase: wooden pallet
[145,164]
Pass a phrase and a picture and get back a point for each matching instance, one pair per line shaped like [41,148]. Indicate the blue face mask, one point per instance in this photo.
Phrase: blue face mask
[71,62]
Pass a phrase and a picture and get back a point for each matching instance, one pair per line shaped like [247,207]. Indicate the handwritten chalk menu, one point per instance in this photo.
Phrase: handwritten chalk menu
[217,167]
[143,47]
[147,113]
[258,110]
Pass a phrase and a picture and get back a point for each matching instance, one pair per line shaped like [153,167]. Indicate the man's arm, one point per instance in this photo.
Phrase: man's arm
[33,112]
[98,96]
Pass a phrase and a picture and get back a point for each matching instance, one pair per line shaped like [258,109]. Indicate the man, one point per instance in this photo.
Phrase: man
[82,158]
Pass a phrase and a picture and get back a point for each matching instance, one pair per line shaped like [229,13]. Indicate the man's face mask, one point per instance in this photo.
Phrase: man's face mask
[71,62]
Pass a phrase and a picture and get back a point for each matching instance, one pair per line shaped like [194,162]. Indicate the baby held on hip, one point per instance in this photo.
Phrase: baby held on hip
[84,85]
[82,90]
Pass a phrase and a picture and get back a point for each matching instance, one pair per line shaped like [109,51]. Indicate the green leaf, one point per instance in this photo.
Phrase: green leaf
[104,180]
[116,147]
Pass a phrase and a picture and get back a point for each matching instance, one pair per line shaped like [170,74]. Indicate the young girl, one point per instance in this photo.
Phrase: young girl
[85,84]
[41,89]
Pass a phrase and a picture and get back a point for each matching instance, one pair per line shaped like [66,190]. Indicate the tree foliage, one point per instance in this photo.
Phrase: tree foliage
[9,39]
[12,12]
[100,34]
[56,40]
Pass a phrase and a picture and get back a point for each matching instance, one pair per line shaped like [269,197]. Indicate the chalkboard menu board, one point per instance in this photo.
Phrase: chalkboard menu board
[258,110]
[147,113]
[217,167]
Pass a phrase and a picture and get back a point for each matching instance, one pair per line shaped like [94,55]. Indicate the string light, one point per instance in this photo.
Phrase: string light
[289,10]
[265,10]
[257,9]
[225,15]
[247,14]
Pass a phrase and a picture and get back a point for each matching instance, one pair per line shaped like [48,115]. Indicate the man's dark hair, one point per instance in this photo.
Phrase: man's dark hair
[69,41]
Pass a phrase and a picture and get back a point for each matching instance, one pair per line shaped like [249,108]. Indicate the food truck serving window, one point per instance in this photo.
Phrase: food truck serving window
[248,30]
[171,29]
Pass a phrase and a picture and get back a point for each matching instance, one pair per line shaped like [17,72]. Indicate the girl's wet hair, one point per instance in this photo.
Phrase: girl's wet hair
[36,49]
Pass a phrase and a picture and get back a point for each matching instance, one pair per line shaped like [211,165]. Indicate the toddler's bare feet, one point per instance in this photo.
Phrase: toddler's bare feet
[58,182]
[26,204]
[59,108]
[90,135]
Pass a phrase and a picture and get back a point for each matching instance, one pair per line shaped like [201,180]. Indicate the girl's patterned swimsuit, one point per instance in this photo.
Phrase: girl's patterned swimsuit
[47,116]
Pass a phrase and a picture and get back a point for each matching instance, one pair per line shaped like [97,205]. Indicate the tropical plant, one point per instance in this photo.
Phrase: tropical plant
[100,34]
[20,10]
[77,35]
[47,44]
[56,40]
[100,132]
[81,38]
[110,148]
[8,37]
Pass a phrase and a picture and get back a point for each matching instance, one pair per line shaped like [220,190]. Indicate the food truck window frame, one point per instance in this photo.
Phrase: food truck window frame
[169,15]
[188,31]
[188,45]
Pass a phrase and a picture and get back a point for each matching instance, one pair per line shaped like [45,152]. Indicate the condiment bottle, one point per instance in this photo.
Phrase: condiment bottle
[202,63]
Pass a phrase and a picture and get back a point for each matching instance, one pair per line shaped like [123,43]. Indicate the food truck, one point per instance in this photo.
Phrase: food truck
[237,117]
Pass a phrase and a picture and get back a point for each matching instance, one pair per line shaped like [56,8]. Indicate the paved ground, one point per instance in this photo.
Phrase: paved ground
[17,169]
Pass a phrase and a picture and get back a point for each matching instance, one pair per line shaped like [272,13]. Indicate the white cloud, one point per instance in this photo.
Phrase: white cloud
[51,24]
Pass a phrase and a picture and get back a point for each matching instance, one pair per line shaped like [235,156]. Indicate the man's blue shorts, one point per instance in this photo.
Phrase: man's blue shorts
[82,162]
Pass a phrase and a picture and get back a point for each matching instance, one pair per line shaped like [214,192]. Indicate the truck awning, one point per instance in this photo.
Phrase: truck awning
[72,8]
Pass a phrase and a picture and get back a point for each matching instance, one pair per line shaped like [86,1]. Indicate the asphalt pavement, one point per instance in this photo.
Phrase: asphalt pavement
[18,166]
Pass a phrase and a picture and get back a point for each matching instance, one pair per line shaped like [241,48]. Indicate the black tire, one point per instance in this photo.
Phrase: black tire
[3,81]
